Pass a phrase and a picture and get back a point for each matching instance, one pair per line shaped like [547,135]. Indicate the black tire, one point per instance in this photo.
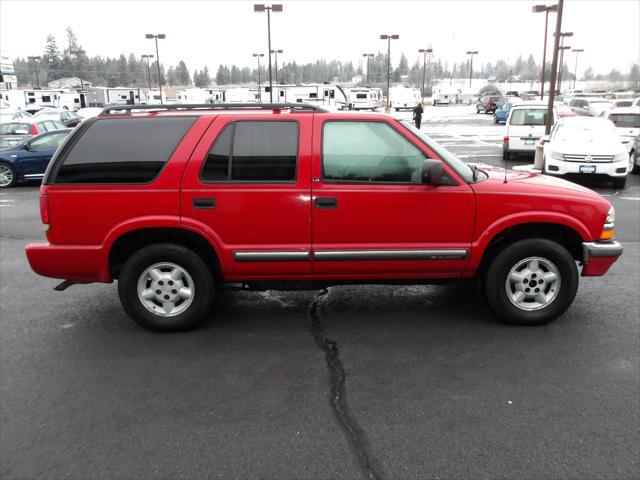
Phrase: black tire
[497,272]
[635,169]
[12,172]
[192,263]
[495,119]
[619,183]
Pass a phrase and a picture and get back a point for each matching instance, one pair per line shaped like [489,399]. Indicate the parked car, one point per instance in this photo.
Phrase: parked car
[7,115]
[29,160]
[586,146]
[525,126]
[165,211]
[89,112]
[627,123]
[564,110]
[589,106]
[13,133]
[488,104]
[502,112]
[67,117]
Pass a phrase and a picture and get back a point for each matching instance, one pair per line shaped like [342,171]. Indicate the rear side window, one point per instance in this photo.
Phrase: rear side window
[130,150]
[260,151]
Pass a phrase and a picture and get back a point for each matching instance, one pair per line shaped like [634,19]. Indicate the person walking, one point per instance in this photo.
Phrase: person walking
[417,115]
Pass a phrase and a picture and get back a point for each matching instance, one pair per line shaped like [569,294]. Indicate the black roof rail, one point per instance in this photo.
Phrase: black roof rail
[298,107]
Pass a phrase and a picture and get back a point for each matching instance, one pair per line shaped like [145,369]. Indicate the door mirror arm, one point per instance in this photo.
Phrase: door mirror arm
[432,171]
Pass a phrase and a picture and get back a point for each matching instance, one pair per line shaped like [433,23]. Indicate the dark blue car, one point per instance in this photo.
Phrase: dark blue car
[28,160]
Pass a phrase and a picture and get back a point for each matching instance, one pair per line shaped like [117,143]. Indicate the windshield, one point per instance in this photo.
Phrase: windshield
[529,116]
[625,120]
[15,129]
[454,162]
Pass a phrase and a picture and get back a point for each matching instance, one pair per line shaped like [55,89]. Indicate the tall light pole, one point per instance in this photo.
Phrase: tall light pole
[157,36]
[554,66]
[276,52]
[577,51]
[389,37]
[369,56]
[472,53]
[546,9]
[258,55]
[258,7]
[148,57]
[35,60]
[424,52]
[562,49]
[77,53]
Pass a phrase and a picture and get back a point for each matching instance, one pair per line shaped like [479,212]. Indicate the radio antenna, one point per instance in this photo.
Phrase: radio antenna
[506,164]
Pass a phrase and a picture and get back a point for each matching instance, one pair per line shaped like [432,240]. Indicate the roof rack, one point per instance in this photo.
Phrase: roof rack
[298,107]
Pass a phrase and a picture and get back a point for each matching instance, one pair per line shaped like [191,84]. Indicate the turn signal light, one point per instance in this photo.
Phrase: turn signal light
[607,235]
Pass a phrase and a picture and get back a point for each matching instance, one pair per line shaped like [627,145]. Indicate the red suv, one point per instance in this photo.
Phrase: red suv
[175,201]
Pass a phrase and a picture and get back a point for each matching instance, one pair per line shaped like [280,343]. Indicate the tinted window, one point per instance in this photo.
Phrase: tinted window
[48,141]
[253,152]
[130,150]
[368,152]
[15,129]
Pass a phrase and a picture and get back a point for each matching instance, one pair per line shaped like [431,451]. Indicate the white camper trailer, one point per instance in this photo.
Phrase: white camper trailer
[365,98]
[30,100]
[444,95]
[104,96]
[320,94]
[200,95]
[241,95]
[404,97]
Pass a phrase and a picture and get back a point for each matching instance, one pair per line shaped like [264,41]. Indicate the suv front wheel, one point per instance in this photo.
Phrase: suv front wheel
[531,282]
[166,287]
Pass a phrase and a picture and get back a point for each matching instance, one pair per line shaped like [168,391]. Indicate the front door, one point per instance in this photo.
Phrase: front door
[248,183]
[372,216]
[34,161]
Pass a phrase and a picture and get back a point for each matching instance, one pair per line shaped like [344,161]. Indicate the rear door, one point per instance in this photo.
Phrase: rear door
[248,185]
[372,216]
[35,160]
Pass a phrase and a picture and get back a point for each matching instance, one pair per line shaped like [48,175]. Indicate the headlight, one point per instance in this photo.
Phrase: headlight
[609,225]
[620,157]
[556,155]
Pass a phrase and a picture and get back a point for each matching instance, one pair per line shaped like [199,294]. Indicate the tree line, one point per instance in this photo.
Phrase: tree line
[131,71]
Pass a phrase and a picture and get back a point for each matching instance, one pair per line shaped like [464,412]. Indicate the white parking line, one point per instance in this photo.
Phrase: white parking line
[7,201]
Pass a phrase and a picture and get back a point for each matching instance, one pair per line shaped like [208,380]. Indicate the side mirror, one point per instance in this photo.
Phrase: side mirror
[432,171]
[27,146]
[545,139]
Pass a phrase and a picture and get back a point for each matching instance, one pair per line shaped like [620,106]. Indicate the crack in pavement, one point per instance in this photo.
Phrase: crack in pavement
[355,434]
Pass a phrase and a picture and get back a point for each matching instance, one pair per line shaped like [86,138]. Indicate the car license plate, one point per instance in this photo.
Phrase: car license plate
[587,169]
[13,142]
[529,141]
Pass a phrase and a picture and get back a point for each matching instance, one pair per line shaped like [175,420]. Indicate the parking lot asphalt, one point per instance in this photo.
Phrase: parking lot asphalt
[433,386]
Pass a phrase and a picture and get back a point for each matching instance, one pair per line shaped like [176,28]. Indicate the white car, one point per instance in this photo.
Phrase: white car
[627,122]
[589,106]
[586,146]
[90,112]
[525,126]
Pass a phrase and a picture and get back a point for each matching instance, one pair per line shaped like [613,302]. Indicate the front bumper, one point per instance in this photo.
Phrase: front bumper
[611,169]
[598,257]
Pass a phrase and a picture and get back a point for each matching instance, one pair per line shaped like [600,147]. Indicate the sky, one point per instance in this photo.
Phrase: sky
[209,32]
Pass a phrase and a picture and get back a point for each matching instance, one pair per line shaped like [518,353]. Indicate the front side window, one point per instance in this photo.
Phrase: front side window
[368,152]
[125,150]
[253,151]
[48,141]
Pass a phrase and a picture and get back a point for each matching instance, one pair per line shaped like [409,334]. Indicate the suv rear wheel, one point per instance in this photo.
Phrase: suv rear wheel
[166,287]
[531,282]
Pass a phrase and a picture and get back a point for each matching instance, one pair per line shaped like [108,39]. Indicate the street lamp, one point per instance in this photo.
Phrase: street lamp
[157,36]
[388,38]
[369,56]
[562,49]
[258,55]
[577,51]
[148,57]
[77,53]
[258,7]
[276,52]
[35,60]
[424,52]
[546,9]
[472,53]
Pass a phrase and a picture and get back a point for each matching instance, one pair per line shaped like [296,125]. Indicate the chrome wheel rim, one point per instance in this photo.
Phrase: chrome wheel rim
[6,176]
[533,283]
[166,289]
